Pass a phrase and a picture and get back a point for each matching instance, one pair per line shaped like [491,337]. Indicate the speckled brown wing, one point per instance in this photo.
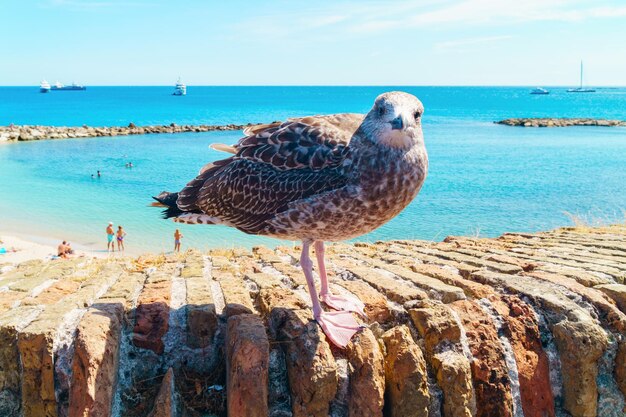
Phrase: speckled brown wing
[273,167]
[313,142]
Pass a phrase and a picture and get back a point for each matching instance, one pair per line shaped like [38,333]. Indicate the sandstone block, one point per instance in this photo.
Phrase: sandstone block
[311,367]
[580,346]
[152,314]
[489,369]
[236,295]
[396,290]
[270,298]
[376,308]
[454,377]
[201,314]
[617,292]
[366,375]
[247,361]
[11,323]
[435,323]
[521,329]
[406,392]
[94,367]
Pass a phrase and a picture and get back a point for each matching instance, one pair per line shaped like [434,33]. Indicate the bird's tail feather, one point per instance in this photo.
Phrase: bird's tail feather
[168,200]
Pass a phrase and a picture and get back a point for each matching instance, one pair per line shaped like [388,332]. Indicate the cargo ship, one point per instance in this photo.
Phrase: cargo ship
[74,87]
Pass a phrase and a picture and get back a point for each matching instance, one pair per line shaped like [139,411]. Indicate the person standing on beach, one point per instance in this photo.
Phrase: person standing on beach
[120,238]
[110,236]
[177,237]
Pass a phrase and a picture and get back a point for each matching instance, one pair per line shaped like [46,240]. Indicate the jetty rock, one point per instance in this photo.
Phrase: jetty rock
[560,122]
[28,132]
[530,324]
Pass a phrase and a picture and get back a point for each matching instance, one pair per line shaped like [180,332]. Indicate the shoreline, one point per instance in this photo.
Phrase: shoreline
[20,133]
[560,122]
[20,248]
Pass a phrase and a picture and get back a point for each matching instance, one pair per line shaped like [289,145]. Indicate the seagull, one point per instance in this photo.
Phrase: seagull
[314,179]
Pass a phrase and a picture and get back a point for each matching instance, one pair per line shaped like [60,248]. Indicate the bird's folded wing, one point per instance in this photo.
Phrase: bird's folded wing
[272,168]
[313,142]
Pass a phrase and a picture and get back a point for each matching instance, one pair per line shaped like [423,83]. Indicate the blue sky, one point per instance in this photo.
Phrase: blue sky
[343,42]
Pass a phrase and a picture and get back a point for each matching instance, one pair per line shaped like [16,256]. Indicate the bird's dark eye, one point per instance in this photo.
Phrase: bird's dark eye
[417,115]
[381,111]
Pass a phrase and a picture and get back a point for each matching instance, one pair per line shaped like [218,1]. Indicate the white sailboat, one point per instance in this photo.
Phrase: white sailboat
[581,89]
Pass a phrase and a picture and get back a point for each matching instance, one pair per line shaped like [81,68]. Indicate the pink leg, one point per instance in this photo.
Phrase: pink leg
[339,326]
[338,302]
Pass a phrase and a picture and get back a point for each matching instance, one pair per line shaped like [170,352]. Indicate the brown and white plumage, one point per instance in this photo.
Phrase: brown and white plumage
[315,178]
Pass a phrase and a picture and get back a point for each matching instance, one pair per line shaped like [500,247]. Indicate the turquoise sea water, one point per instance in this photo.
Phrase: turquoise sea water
[484,179]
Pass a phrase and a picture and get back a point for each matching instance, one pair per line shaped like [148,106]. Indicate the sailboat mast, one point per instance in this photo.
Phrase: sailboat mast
[581,74]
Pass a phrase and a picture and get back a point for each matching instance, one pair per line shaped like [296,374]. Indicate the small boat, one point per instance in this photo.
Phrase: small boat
[581,89]
[44,87]
[74,87]
[180,89]
[539,90]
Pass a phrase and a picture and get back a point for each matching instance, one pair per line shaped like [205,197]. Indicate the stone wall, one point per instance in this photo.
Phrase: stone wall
[13,133]
[527,325]
[560,122]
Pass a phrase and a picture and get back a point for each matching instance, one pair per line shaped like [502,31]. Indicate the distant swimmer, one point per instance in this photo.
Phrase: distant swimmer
[92,177]
[177,237]
[120,238]
[110,236]
[130,165]
[99,174]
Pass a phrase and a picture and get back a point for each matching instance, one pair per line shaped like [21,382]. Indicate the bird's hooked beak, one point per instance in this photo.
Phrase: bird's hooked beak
[399,123]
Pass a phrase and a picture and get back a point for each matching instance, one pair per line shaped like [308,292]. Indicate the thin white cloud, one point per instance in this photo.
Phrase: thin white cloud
[371,17]
[470,41]
[90,4]
[497,12]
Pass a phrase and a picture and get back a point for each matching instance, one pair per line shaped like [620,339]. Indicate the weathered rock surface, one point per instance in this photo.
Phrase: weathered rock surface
[489,368]
[166,403]
[366,375]
[406,392]
[441,332]
[524,323]
[311,367]
[95,363]
[152,315]
[247,359]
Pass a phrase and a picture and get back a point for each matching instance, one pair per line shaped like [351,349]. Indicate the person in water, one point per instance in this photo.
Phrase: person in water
[177,237]
[110,236]
[99,174]
[120,238]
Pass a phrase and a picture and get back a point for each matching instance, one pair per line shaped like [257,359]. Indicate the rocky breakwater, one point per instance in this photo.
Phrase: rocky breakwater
[527,325]
[560,122]
[27,132]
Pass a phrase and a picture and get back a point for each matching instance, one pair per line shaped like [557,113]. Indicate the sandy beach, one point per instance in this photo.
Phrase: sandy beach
[19,249]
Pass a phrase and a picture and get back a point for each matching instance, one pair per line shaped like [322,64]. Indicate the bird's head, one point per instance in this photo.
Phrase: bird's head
[395,120]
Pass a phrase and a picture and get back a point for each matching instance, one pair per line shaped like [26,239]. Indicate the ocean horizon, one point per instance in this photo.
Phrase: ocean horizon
[484,179]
